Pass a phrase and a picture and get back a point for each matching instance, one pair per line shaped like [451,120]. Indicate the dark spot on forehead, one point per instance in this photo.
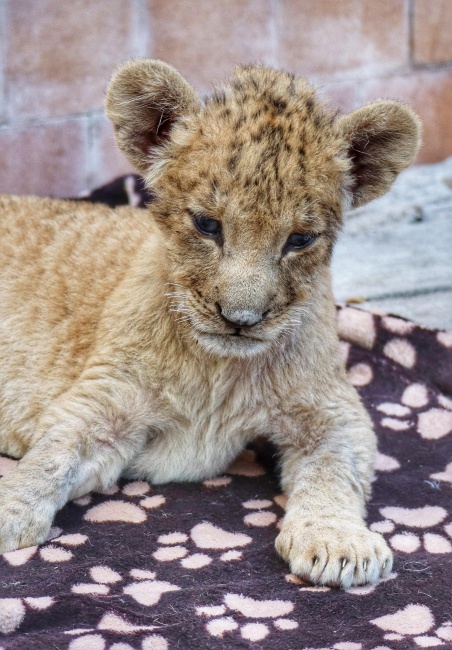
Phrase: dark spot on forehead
[318,121]
[310,105]
[278,104]
[277,132]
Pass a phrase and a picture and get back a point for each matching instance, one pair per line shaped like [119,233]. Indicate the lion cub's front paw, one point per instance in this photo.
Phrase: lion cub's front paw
[20,523]
[335,553]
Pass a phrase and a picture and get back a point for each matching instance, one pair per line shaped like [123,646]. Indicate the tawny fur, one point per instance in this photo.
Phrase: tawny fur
[132,344]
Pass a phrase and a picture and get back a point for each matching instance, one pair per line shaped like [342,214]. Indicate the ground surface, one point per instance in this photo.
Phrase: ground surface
[396,253]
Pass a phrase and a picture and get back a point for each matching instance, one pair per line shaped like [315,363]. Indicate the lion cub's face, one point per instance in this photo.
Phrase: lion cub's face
[249,208]
[250,190]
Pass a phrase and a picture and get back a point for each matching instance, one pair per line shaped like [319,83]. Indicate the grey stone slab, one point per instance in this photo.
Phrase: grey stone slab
[397,250]
[429,309]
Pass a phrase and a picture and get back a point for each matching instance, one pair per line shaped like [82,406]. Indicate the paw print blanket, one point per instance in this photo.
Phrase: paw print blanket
[193,566]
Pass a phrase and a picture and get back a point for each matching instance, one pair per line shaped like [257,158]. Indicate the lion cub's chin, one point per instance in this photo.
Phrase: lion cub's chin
[228,345]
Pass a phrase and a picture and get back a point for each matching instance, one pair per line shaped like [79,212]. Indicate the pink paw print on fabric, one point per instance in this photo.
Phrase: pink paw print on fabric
[416,623]
[246,465]
[384,463]
[432,421]
[98,642]
[123,510]
[58,550]
[261,514]
[143,587]
[212,542]
[415,519]
[359,327]
[14,610]
[245,615]
[203,536]
[445,476]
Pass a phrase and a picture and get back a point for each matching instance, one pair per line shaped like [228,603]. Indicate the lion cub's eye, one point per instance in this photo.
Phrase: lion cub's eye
[207,226]
[297,242]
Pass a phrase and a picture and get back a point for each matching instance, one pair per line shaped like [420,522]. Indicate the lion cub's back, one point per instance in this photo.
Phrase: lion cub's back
[59,262]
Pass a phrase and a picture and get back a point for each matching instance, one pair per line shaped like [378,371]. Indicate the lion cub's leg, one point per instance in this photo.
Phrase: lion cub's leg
[324,537]
[88,438]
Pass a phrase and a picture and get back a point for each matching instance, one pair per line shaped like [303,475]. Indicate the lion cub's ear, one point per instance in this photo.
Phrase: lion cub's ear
[144,99]
[383,138]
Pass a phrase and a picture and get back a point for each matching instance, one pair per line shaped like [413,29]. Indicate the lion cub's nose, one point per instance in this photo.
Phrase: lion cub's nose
[240,317]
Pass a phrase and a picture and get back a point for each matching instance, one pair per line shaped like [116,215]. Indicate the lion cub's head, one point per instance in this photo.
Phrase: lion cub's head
[251,187]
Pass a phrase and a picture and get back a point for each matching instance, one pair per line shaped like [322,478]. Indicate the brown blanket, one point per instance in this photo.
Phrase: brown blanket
[192,566]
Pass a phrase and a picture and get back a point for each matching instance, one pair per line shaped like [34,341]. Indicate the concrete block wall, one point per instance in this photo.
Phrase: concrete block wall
[57,55]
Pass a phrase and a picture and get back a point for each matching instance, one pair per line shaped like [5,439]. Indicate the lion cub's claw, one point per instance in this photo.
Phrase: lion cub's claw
[337,555]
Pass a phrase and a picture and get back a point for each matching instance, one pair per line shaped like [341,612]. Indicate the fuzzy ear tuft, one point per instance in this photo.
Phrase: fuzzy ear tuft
[144,99]
[382,138]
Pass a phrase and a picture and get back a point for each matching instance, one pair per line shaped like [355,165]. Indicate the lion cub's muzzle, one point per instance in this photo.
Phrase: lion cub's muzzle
[247,291]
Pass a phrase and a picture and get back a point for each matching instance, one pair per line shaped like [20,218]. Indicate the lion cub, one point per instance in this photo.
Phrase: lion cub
[156,344]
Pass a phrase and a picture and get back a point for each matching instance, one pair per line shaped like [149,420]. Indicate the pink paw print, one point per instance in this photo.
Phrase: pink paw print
[246,615]
[13,611]
[408,541]
[143,587]
[416,623]
[57,549]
